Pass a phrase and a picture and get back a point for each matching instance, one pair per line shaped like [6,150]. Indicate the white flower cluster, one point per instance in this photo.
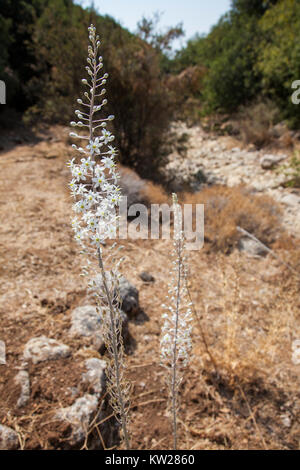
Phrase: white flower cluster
[94,184]
[176,331]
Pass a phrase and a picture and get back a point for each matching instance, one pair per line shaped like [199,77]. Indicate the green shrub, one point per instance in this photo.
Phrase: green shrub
[292,172]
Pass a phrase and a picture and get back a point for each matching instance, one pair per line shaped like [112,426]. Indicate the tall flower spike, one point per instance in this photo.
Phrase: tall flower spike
[94,187]
[176,331]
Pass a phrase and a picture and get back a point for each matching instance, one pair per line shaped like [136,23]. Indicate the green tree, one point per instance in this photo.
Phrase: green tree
[229,53]
[279,55]
[17,19]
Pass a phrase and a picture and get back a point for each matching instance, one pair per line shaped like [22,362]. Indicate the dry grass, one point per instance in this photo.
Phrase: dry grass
[255,122]
[226,208]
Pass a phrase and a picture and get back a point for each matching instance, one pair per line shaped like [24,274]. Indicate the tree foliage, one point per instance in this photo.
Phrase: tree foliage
[279,54]
[51,38]
[253,50]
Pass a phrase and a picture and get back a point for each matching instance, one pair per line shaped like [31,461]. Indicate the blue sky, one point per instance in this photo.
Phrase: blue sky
[197,16]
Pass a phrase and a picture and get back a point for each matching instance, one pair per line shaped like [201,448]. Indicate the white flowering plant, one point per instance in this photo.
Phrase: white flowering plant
[177,328]
[96,194]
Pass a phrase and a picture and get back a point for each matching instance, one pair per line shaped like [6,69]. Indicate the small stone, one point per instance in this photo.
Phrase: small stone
[86,321]
[45,349]
[290,200]
[146,277]
[79,416]
[251,247]
[267,162]
[129,296]
[8,438]
[251,148]
[286,421]
[95,375]
[22,379]
[2,353]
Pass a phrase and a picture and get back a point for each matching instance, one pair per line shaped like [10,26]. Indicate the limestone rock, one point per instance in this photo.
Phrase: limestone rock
[251,247]
[269,161]
[8,438]
[41,349]
[2,353]
[86,321]
[291,200]
[95,375]
[22,379]
[79,416]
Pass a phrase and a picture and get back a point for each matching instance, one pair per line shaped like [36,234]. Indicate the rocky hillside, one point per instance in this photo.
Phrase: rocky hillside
[223,160]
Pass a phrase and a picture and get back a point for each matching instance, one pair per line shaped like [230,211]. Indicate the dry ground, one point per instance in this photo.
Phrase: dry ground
[241,390]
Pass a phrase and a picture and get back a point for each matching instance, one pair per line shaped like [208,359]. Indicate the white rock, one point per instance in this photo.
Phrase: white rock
[269,161]
[44,349]
[86,321]
[22,379]
[290,200]
[95,375]
[8,438]
[79,415]
[251,247]
[2,353]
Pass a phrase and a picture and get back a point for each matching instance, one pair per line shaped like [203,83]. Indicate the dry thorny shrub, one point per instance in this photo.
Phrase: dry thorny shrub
[226,208]
[255,122]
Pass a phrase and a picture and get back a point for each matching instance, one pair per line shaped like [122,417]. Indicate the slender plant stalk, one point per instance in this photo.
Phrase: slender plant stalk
[115,354]
[95,184]
[176,331]
[174,364]
[109,299]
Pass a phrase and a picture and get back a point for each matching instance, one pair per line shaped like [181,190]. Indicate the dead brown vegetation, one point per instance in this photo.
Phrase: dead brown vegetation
[226,208]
